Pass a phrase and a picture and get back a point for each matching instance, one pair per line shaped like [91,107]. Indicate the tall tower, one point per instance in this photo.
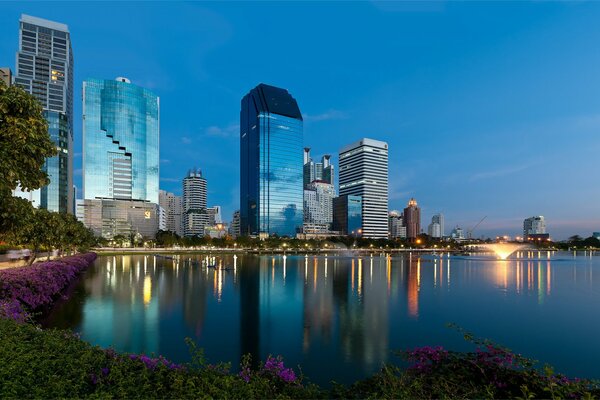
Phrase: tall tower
[271,173]
[195,217]
[45,69]
[412,219]
[364,173]
[120,140]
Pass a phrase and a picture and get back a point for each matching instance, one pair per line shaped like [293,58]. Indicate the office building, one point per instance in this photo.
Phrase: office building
[412,219]
[534,228]
[396,226]
[126,218]
[120,141]
[214,215]
[6,76]
[364,173]
[317,171]
[436,227]
[44,68]
[195,216]
[234,227]
[457,233]
[173,211]
[347,215]
[318,204]
[271,174]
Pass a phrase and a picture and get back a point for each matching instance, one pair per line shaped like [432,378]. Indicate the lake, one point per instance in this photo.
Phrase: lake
[340,317]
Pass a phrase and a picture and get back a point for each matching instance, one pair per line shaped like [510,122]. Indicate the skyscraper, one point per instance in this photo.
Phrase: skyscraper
[396,225]
[317,171]
[271,190]
[172,206]
[120,140]
[364,173]
[318,205]
[436,228]
[412,219]
[347,215]
[195,217]
[45,70]
[234,227]
[535,228]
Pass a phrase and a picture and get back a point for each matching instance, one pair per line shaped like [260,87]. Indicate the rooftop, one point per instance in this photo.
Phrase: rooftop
[44,22]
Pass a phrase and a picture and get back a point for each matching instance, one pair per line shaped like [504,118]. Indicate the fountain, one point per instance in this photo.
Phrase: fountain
[503,250]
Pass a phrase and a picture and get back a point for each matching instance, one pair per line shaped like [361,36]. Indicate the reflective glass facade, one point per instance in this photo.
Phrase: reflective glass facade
[271,163]
[45,69]
[347,215]
[120,141]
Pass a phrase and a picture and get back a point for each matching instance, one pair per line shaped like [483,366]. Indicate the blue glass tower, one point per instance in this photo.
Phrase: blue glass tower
[120,141]
[271,163]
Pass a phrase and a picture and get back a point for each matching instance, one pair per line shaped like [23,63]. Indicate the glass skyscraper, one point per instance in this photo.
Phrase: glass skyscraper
[120,141]
[271,183]
[45,69]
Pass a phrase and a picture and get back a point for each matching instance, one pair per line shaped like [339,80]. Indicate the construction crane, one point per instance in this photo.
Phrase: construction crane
[470,231]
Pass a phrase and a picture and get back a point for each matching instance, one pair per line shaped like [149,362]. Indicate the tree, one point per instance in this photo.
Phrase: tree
[24,141]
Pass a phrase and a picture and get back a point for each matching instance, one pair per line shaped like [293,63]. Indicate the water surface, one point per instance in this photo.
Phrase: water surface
[339,317]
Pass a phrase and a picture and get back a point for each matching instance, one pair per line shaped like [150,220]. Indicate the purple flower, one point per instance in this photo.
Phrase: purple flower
[105,371]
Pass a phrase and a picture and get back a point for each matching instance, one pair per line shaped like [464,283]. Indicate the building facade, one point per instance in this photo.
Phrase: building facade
[534,228]
[364,172]
[412,219]
[271,173]
[44,68]
[436,227]
[173,211]
[457,233]
[318,203]
[195,216]
[120,141]
[396,225]
[347,215]
[234,227]
[127,218]
[317,171]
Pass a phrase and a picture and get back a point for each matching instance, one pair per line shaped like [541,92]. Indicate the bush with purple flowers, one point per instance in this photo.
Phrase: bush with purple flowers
[25,290]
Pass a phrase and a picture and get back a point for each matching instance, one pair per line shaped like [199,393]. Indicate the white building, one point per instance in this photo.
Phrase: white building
[534,226]
[173,210]
[457,233]
[318,204]
[364,172]
[396,227]
[195,218]
[234,228]
[214,215]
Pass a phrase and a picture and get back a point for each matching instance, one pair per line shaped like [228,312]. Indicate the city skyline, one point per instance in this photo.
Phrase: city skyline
[504,103]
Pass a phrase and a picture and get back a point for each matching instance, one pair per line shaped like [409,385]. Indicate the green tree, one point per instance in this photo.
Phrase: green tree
[24,141]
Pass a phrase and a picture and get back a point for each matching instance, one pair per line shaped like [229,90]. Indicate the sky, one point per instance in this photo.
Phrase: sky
[489,109]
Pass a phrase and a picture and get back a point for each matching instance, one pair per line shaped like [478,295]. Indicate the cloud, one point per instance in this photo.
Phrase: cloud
[186,140]
[231,130]
[499,172]
[326,116]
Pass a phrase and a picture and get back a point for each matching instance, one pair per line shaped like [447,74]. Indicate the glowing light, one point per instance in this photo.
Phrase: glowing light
[147,290]
[503,250]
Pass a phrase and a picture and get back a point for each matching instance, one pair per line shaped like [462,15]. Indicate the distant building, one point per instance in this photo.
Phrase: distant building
[162,219]
[364,172]
[396,225]
[234,227]
[318,203]
[109,218]
[317,171]
[173,210]
[412,219]
[271,174]
[347,215]
[457,233]
[534,228]
[214,215]
[217,231]
[596,235]
[44,68]
[6,76]
[195,216]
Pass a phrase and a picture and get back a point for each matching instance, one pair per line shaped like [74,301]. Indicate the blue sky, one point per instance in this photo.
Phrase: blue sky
[489,109]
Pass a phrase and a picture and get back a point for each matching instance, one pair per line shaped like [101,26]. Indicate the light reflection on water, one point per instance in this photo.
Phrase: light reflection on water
[339,317]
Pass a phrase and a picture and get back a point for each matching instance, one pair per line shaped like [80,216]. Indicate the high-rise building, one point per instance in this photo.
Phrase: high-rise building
[234,227]
[396,225]
[195,217]
[457,233]
[214,215]
[271,191]
[172,205]
[535,228]
[347,215]
[412,219]
[6,76]
[318,204]
[317,171]
[45,70]
[436,227]
[364,173]
[120,140]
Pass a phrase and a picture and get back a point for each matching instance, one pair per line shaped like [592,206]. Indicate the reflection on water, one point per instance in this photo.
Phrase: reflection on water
[338,317]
